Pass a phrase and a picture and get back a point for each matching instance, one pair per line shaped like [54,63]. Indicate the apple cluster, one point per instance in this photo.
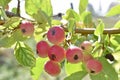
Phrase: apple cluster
[73,54]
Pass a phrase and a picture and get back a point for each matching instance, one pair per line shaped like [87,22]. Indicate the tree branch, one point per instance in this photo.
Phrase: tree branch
[91,30]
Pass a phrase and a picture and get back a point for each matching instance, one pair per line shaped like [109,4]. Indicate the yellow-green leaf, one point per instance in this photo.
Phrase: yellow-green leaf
[37,70]
[82,5]
[99,29]
[114,11]
[25,56]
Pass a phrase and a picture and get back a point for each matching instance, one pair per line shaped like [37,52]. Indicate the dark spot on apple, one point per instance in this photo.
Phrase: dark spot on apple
[23,30]
[75,57]
[92,71]
[53,57]
[83,47]
[53,32]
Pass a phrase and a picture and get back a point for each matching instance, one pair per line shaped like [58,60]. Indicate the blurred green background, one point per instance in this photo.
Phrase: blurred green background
[10,69]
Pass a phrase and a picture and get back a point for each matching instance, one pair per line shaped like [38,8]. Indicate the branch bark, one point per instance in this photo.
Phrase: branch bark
[91,30]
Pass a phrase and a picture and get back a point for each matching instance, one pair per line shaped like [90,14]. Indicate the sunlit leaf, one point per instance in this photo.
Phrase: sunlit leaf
[37,70]
[40,17]
[18,36]
[99,29]
[72,14]
[87,19]
[96,45]
[71,25]
[14,10]
[31,43]
[82,5]
[33,6]
[106,40]
[4,3]
[109,49]
[72,68]
[117,25]
[118,48]
[25,56]
[117,55]
[116,38]
[12,22]
[56,22]
[114,11]
[6,41]
[76,76]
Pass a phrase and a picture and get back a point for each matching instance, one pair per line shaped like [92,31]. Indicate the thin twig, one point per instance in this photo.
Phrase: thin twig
[18,8]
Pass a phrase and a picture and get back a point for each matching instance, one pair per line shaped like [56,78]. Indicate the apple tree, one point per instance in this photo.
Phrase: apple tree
[75,44]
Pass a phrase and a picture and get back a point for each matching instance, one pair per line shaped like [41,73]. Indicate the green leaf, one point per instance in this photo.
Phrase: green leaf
[32,6]
[117,55]
[6,41]
[114,11]
[56,22]
[37,70]
[72,14]
[99,29]
[115,40]
[3,14]
[109,49]
[76,76]
[40,17]
[14,10]
[108,69]
[12,22]
[31,42]
[18,36]
[82,5]
[117,25]
[42,20]
[71,25]
[87,19]
[118,48]
[97,46]
[25,56]
[106,40]
[100,76]
[72,68]
[4,3]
